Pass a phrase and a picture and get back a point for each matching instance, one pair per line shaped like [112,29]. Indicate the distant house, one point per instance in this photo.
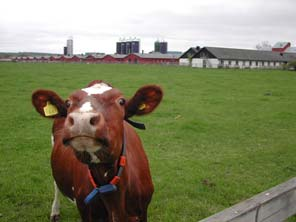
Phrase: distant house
[281,46]
[214,57]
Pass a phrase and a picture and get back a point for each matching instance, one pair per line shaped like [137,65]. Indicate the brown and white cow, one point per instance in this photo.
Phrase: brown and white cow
[95,146]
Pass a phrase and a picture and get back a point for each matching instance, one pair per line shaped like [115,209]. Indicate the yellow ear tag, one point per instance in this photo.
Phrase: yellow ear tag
[50,110]
[142,106]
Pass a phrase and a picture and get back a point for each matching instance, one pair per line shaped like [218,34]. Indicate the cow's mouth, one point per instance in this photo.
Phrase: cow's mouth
[85,143]
[87,149]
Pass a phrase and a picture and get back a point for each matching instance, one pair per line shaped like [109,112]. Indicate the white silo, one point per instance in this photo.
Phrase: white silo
[70,46]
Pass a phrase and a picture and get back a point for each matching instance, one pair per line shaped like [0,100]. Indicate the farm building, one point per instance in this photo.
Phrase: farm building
[281,46]
[214,57]
[186,58]
[134,58]
[152,58]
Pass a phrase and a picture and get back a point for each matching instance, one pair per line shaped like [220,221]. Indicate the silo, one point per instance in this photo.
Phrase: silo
[118,47]
[65,50]
[157,46]
[70,47]
[161,47]
[135,46]
[123,48]
[128,48]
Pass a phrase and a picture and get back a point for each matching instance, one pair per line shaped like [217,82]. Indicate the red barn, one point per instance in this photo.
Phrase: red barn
[89,59]
[108,59]
[93,59]
[114,58]
[152,58]
[134,58]
[74,58]
[54,58]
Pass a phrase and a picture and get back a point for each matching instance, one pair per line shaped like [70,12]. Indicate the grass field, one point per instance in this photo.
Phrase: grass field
[219,136]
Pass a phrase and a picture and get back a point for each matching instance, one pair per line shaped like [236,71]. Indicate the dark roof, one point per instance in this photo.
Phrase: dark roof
[192,51]
[246,54]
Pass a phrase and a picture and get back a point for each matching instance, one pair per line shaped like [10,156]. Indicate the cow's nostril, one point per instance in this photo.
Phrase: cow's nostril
[71,121]
[94,120]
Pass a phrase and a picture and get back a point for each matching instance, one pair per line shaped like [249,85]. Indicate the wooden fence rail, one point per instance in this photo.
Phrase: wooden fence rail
[273,205]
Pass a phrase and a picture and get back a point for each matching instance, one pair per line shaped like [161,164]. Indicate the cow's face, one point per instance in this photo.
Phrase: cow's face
[94,122]
[94,117]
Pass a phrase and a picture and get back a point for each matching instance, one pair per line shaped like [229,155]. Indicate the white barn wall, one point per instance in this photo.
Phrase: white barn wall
[184,62]
[213,63]
[265,64]
[240,64]
[253,65]
[196,62]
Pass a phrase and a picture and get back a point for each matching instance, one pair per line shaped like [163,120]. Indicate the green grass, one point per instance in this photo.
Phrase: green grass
[219,136]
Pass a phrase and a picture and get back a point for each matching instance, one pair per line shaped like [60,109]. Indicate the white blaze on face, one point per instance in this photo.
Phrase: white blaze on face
[98,88]
[86,107]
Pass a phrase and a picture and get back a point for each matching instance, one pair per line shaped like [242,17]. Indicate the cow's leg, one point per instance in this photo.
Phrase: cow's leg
[143,217]
[94,212]
[115,204]
[55,209]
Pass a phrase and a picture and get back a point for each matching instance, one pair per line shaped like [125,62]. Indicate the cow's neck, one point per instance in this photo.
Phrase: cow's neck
[105,177]
[103,173]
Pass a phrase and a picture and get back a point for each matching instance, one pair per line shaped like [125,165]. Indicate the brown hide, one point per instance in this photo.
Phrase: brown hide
[105,126]
[135,186]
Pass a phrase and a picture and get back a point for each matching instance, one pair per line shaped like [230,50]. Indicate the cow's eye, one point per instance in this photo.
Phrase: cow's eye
[68,103]
[122,101]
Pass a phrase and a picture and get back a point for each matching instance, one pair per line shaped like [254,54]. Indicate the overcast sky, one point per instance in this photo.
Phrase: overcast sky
[96,25]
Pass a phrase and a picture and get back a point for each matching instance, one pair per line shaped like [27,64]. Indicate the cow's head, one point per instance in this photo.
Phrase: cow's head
[94,117]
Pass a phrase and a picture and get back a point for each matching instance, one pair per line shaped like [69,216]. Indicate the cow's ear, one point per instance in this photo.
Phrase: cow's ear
[49,104]
[145,100]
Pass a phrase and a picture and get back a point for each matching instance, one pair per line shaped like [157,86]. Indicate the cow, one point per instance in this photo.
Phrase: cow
[97,159]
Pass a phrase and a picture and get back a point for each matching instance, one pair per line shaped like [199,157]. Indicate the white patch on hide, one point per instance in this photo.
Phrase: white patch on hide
[98,88]
[55,208]
[86,107]
[94,158]
[72,201]
[85,144]
[52,140]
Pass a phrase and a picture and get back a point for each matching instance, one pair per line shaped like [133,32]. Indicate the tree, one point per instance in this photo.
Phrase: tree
[292,65]
[264,46]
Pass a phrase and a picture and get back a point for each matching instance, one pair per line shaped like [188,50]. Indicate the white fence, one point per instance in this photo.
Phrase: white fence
[273,205]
